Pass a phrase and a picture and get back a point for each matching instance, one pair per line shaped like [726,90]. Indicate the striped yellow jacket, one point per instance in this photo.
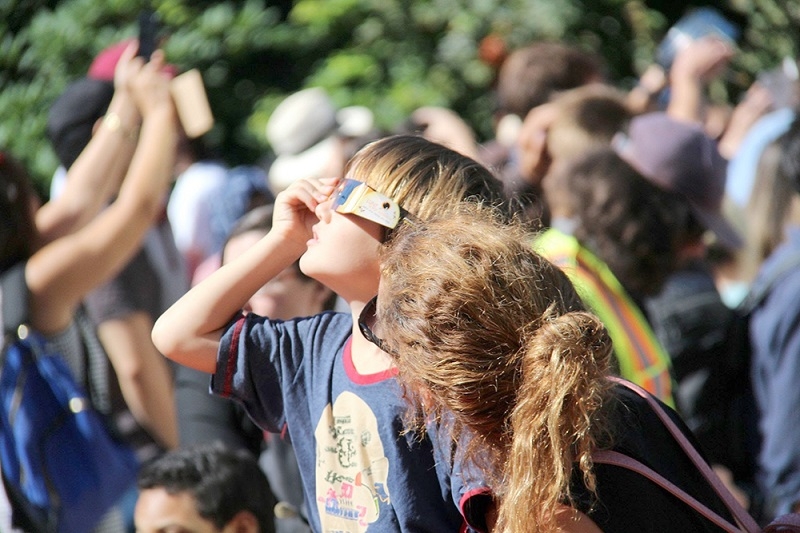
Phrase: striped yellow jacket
[640,356]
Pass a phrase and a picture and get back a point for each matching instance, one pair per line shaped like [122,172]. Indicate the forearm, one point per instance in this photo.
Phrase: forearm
[144,375]
[686,96]
[96,174]
[62,273]
[189,331]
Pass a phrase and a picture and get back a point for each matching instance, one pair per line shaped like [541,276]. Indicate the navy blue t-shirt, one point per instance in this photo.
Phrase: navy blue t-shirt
[359,470]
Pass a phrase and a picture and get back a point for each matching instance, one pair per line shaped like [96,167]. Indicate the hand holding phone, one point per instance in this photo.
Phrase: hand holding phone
[696,24]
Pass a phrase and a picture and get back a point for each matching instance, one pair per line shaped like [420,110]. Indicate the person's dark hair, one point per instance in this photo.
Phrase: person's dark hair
[530,76]
[18,235]
[634,226]
[260,219]
[222,481]
[71,118]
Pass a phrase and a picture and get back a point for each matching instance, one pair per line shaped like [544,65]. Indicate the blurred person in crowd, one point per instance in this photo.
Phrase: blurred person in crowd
[529,77]
[124,308]
[72,244]
[774,337]
[621,249]
[783,89]
[688,314]
[312,138]
[574,123]
[204,489]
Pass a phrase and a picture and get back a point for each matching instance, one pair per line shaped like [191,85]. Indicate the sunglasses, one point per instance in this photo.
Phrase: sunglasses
[366,318]
[357,198]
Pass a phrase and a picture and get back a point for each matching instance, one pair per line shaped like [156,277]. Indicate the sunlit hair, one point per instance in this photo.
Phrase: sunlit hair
[494,335]
[766,211]
[588,118]
[18,236]
[422,176]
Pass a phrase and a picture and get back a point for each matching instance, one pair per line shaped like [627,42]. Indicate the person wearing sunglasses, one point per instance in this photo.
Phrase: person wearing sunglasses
[492,337]
[317,378]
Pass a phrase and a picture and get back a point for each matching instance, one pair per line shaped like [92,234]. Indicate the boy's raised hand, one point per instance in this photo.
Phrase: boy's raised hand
[296,208]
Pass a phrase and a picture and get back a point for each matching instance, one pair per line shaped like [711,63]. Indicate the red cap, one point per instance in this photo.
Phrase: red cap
[103,66]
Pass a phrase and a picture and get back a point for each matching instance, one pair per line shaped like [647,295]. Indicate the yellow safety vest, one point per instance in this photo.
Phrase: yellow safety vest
[640,355]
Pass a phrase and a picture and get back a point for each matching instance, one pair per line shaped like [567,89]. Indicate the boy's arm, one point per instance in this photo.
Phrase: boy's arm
[189,332]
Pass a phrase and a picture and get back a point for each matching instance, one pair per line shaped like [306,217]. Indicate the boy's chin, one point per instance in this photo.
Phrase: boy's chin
[311,267]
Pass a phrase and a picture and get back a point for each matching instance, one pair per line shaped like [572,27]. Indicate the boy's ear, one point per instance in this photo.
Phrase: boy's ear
[242,522]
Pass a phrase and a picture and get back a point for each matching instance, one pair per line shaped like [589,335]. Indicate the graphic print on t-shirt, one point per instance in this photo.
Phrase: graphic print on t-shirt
[351,466]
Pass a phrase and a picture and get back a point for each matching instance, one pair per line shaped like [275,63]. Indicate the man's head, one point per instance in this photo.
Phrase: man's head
[204,489]
[531,75]
[680,157]
[72,117]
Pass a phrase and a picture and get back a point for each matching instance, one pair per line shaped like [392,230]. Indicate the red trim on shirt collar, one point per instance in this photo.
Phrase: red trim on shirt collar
[462,504]
[362,379]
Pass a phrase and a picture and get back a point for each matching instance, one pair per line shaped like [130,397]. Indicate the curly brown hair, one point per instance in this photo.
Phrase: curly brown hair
[494,337]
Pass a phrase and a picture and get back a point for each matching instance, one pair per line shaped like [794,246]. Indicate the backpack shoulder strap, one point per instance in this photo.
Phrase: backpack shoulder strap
[611,457]
[740,514]
[13,298]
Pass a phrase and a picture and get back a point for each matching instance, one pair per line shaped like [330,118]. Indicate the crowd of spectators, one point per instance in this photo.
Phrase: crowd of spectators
[235,304]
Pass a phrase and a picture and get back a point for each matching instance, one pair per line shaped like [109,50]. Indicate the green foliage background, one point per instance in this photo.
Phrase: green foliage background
[390,55]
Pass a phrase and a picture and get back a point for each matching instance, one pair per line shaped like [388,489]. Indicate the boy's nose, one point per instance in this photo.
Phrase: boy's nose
[323,210]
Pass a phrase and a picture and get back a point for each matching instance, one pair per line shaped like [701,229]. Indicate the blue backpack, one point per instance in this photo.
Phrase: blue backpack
[62,466]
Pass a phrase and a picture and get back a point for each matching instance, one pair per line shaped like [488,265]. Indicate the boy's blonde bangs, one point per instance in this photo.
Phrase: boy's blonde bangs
[423,177]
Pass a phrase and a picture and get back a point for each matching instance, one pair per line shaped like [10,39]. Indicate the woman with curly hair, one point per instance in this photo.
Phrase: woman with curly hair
[492,342]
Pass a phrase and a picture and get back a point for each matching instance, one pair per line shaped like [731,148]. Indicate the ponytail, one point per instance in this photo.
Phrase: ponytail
[553,421]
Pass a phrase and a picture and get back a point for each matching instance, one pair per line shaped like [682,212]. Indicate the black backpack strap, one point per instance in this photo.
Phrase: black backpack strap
[13,304]
[13,298]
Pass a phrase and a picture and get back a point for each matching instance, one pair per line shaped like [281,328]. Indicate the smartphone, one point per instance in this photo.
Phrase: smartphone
[148,34]
[697,23]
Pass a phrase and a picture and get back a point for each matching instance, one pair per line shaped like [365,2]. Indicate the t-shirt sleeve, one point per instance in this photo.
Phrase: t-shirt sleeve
[466,483]
[261,361]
